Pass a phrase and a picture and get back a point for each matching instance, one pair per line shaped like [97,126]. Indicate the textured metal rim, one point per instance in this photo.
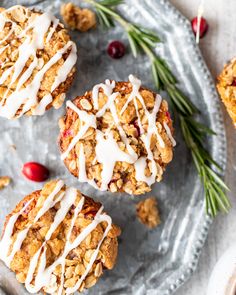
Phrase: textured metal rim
[219,147]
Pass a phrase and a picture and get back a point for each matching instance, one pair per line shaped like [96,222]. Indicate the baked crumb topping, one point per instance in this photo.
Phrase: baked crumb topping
[58,241]
[76,18]
[147,212]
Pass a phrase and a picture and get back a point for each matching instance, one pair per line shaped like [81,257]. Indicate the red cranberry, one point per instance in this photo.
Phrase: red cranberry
[203,26]
[233,83]
[116,49]
[91,213]
[168,115]
[67,133]
[35,171]
[137,127]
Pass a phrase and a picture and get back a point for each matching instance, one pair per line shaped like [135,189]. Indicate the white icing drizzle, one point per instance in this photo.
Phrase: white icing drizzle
[107,88]
[37,267]
[5,243]
[65,68]
[107,151]
[169,134]
[98,219]
[53,29]
[140,165]
[87,119]
[41,107]
[43,26]
[22,235]
[82,171]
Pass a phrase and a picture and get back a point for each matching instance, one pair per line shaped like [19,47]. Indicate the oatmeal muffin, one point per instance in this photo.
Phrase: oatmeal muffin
[227,88]
[58,241]
[37,61]
[117,137]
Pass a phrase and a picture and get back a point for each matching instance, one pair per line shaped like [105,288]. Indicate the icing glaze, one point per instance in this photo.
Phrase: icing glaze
[42,29]
[37,266]
[107,151]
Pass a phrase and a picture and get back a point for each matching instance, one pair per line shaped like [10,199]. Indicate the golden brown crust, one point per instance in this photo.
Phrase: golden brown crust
[123,176]
[227,88]
[22,16]
[78,258]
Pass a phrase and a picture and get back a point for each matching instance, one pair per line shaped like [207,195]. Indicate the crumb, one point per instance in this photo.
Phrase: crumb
[147,212]
[13,147]
[4,181]
[76,18]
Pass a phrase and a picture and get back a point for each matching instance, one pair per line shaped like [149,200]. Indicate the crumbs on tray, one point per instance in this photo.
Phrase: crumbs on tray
[148,213]
[4,181]
[76,18]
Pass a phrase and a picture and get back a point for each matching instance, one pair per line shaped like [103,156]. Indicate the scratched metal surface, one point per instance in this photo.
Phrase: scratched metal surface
[149,262]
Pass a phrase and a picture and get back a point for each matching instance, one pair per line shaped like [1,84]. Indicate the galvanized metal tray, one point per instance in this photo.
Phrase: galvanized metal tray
[150,261]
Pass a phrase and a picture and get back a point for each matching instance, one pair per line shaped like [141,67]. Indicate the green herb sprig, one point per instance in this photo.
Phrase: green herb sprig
[145,41]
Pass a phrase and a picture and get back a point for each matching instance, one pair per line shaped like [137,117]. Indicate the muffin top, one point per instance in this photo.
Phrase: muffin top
[57,240]
[37,61]
[117,137]
[227,88]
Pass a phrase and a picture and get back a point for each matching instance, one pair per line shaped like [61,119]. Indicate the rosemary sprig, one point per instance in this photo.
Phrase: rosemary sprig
[143,40]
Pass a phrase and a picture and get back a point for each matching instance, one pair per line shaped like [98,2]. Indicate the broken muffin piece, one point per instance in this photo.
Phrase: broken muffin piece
[76,18]
[4,181]
[147,212]
[58,241]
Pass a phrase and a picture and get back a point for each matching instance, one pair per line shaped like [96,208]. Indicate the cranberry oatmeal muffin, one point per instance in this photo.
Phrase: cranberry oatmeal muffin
[58,241]
[227,88]
[117,137]
[37,61]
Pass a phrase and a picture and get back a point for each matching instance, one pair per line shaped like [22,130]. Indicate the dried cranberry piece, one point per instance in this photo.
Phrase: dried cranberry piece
[233,83]
[168,115]
[92,212]
[137,127]
[67,133]
[116,49]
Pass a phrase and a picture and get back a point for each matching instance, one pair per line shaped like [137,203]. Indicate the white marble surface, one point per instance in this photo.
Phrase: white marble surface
[217,47]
